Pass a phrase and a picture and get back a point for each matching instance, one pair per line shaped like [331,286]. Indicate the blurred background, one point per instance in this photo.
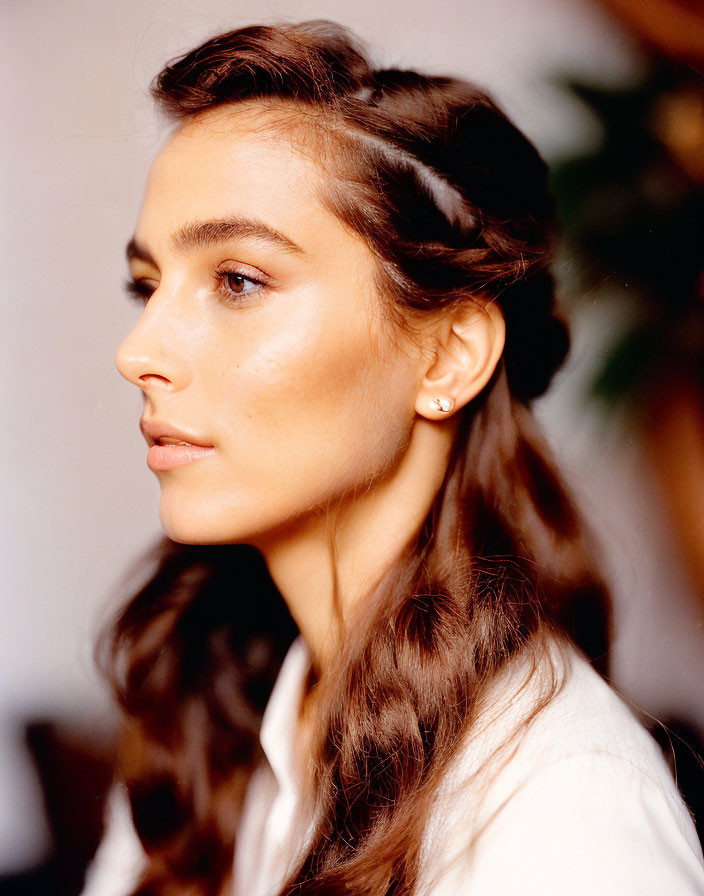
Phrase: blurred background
[611,92]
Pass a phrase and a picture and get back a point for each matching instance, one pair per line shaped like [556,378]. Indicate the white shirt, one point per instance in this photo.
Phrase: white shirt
[583,802]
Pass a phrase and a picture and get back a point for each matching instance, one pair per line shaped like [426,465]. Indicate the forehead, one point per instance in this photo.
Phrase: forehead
[248,159]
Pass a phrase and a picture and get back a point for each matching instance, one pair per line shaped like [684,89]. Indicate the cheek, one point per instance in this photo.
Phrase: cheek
[321,403]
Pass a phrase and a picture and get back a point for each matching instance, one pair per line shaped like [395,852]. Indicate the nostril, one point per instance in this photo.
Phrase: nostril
[153,378]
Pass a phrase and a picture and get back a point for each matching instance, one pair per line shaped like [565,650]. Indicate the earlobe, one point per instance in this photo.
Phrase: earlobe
[467,349]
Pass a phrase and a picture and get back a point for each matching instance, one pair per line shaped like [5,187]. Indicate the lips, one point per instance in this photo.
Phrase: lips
[158,433]
[168,440]
[170,447]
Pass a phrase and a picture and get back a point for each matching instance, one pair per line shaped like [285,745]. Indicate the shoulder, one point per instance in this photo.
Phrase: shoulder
[555,711]
[117,865]
[575,797]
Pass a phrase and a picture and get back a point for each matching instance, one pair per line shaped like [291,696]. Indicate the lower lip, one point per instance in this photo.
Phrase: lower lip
[167,457]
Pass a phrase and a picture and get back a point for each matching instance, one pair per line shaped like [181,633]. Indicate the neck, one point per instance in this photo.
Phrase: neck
[311,568]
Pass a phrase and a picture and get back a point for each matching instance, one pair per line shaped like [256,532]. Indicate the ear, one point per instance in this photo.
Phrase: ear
[467,347]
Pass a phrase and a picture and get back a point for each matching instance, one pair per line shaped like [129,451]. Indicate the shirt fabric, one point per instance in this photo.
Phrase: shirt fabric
[579,800]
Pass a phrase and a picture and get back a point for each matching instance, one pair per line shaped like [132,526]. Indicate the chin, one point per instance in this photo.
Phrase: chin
[187,526]
[196,522]
[237,517]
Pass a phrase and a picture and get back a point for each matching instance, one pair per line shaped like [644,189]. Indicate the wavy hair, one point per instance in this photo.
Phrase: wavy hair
[453,201]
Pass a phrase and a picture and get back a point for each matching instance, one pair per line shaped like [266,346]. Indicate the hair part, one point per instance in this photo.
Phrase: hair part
[452,199]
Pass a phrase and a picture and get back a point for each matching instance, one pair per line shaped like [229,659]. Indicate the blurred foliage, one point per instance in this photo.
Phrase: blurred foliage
[633,218]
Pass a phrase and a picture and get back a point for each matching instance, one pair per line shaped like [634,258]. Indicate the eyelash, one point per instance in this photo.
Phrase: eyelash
[140,291]
[137,290]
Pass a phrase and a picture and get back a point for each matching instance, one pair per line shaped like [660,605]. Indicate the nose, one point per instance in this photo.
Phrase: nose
[152,356]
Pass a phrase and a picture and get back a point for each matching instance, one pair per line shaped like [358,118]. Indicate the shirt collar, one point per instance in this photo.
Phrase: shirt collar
[279,722]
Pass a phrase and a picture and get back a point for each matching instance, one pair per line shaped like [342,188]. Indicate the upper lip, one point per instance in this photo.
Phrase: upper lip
[154,430]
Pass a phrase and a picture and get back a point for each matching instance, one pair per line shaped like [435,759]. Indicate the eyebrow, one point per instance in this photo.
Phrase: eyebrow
[204,234]
[138,251]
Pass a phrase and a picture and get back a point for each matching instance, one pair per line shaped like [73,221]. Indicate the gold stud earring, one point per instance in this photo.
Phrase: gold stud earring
[443,404]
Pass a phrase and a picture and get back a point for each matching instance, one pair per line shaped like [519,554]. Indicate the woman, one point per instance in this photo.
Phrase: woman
[347,313]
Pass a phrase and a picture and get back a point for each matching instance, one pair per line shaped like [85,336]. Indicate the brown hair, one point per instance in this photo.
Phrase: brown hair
[453,201]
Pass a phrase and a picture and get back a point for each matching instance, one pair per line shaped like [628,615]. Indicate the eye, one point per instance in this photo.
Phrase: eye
[139,290]
[235,284]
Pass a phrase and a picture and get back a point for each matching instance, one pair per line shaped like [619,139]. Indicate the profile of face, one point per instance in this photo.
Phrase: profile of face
[262,338]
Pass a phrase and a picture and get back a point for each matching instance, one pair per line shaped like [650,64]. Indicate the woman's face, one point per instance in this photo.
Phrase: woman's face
[262,338]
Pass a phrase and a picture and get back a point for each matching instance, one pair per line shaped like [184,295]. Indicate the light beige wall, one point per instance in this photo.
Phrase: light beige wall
[79,501]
